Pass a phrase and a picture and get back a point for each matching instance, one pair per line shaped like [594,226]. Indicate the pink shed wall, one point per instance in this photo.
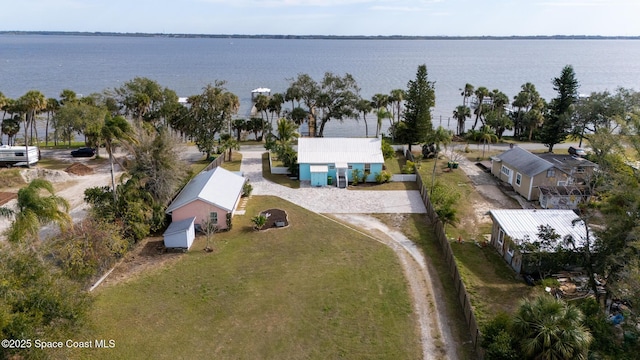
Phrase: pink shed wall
[200,210]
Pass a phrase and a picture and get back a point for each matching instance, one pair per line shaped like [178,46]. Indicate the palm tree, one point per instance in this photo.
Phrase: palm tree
[439,137]
[461,113]
[396,97]
[35,210]
[364,107]
[52,106]
[551,329]
[31,104]
[3,102]
[112,130]
[466,93]
[381,113]
[486,135]
[228,143]
[481,93]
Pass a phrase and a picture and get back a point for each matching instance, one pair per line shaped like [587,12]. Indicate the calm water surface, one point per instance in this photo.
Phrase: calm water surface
[88,64]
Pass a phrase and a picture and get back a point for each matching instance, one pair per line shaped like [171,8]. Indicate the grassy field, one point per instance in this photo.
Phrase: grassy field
[394,185]
[493,286]
[277,178]
[416,227]
[291,293]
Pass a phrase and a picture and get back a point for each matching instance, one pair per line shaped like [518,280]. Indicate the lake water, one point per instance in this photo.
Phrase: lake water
[87,64]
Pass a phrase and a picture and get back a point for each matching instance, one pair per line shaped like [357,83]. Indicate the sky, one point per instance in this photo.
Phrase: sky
[328,17]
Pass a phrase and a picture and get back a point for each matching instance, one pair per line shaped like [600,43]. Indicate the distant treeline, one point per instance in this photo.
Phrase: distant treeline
[327,37]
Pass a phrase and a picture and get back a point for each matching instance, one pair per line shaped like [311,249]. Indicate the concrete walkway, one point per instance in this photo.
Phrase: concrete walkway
[331,199]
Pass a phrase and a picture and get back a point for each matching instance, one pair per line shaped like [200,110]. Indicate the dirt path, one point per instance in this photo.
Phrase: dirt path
[437,342]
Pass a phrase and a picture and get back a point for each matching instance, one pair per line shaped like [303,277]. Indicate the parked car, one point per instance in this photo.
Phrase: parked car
[576,151]
[83,152]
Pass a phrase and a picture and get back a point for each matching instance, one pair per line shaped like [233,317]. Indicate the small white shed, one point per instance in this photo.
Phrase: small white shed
[180,234]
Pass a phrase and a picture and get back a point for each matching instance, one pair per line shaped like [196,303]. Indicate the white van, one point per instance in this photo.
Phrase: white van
[18,155]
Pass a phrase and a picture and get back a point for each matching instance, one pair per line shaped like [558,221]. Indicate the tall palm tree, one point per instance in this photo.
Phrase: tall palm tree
[31,104]
[52,106]
[364,107]
[396,97]
[381,113]
[481,93]
[35,210]
[551,329]
[3,102]
[440,136]
[461,113]
[227,142]
[466,93]
[115,129]
[486,135]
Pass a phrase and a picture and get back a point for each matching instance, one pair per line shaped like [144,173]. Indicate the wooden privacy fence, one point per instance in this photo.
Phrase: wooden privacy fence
[215,163]
[450,260]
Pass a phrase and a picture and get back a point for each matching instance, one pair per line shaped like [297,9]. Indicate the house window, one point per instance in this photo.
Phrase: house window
[562,183]
[518,179]
[213,217]
[367,168]
[332,167]
[580,170]
[551,173]
[505,170]
[510,251]
[501,238]
[350,167]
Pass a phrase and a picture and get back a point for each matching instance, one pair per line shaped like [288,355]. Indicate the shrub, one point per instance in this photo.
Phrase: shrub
[383,177]
[247,188]
[355,176]
[409,167]
[259,221]
[387,150]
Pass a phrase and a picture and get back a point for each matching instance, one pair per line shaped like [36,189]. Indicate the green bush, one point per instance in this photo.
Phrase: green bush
[247,188]
[383,177]
[259,221]
[409,167]
[387,150]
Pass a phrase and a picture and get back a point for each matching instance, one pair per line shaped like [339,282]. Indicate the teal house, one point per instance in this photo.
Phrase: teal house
[333,161]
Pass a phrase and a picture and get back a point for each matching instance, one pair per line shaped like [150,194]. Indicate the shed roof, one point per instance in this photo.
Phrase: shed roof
[523,224]
[219,187]
[524,161]
[179,226]
[339,150]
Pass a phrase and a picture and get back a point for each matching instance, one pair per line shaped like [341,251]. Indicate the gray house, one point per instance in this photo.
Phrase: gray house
[524,171]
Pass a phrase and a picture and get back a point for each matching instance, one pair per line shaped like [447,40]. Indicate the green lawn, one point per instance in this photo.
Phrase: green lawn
[277,178]
[394,165]
[234,164]
[493,286]
[313,290]
[394,185]
[418,229]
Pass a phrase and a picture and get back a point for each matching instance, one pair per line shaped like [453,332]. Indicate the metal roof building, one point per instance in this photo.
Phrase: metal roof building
[523,224]
[339,150]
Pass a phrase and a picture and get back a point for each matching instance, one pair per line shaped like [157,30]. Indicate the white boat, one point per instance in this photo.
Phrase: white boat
[18,155]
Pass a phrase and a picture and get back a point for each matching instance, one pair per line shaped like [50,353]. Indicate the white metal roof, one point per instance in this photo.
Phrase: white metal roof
[339,150]
[218,187]
[179,226]
[523,224]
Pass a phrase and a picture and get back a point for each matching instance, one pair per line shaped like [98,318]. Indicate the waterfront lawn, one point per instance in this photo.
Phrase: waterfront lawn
[312,290]
[280,179]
